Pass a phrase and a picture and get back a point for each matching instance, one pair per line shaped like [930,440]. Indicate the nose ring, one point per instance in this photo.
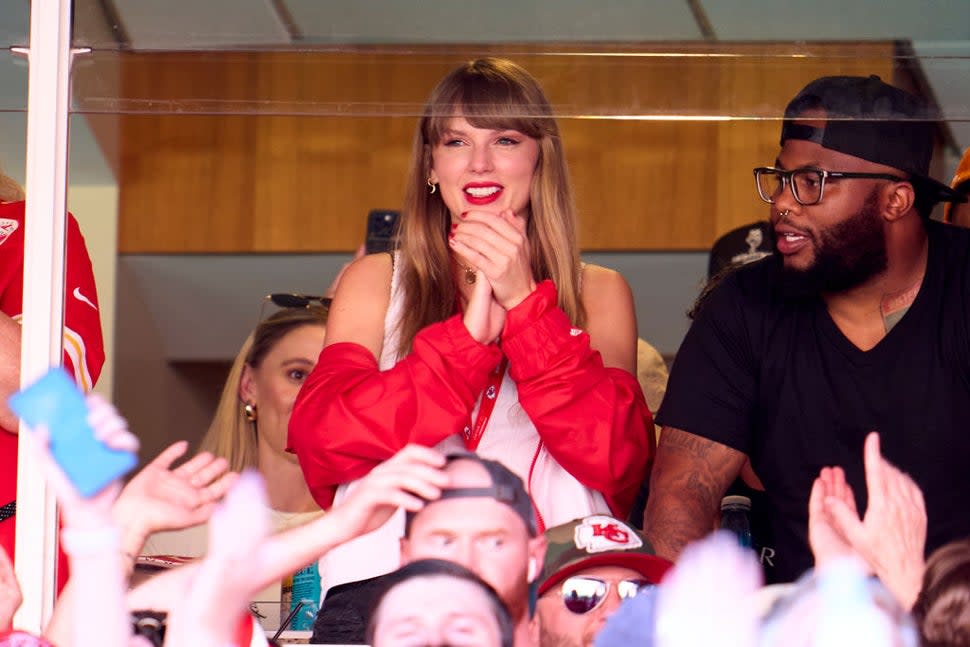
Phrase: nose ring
[785,213]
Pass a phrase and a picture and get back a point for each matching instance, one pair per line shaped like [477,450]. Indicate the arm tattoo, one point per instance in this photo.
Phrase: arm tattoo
[689,478]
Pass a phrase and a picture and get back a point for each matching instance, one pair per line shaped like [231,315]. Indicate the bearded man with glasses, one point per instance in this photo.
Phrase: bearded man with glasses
[860,322]
[591,565]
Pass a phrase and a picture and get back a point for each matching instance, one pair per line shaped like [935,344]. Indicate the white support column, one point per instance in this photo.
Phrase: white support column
[47,123]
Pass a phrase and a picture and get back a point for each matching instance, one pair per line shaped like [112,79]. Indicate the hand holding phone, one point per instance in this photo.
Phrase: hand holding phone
[56,402]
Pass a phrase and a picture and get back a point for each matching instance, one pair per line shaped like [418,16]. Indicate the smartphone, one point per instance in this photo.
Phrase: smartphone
[55,401]
[381,230]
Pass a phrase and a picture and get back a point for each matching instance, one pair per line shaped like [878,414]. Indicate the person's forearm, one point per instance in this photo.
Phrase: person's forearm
[10,337]
[592,418]
[688,480]
[97,612]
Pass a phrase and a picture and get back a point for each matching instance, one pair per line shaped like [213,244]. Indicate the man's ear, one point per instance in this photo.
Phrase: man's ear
[537,554]
[900,198]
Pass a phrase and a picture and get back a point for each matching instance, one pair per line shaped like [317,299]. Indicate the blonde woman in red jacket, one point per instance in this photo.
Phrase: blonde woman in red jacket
[483,331]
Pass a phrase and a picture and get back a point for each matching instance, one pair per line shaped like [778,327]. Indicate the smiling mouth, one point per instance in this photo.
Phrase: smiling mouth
[482,191]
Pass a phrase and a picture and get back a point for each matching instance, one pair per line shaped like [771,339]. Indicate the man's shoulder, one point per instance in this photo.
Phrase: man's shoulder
[748,286]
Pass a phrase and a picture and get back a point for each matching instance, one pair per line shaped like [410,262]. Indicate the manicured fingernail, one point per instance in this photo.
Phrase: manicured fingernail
[454,226]
[451,235]
[463,214]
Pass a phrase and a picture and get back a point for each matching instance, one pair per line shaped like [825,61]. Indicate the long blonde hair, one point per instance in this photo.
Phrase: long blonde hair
[491,93]
[230,434]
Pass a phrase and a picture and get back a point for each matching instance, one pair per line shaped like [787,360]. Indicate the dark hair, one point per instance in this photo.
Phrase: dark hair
[942,609]
[506,487]
[441,568]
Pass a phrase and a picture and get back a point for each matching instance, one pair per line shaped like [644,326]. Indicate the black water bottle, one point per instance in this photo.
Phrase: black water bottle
[736,517]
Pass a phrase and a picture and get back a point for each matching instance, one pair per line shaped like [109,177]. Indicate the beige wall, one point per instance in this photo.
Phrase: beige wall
[96,210]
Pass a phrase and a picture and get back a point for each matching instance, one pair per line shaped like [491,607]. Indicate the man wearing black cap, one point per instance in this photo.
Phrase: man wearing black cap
[861,322]
[484,520]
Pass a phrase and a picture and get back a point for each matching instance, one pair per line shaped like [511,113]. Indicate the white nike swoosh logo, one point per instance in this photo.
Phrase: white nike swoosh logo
[80,297]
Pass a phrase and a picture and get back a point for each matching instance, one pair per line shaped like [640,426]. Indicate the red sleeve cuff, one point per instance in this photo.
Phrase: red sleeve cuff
[537,332]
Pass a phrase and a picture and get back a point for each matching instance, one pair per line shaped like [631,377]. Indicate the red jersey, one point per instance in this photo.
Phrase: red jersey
[83,343]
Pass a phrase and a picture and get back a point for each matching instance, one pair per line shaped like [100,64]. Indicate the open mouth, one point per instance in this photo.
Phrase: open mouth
[482,193]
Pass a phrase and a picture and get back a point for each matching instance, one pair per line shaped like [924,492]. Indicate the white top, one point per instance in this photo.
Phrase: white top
[509,437]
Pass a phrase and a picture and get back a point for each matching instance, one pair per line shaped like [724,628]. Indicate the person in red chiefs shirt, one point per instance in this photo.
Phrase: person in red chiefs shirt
[83,343]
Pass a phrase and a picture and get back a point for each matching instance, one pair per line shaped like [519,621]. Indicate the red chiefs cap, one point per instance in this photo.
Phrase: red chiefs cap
[598,540]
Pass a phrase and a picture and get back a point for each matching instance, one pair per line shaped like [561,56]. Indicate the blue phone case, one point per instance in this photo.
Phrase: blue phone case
[55,401]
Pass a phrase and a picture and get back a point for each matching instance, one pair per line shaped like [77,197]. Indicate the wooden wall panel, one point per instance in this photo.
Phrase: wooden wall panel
[318,139]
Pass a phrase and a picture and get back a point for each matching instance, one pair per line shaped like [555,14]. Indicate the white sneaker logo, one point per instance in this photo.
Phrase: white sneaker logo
[80,297]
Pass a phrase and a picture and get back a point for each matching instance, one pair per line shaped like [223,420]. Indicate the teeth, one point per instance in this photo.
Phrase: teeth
[482,192]
[793,237]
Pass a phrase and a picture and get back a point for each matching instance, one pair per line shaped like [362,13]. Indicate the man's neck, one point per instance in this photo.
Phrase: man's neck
[865,314]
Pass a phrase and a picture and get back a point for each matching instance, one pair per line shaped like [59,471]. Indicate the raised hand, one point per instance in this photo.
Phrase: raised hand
[406,480]
[110,428]
[825,539]
[228,577]
[498,247]
[161,498]
[891,536]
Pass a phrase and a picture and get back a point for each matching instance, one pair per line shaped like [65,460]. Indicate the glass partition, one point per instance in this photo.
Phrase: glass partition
[227,149]
[244,142]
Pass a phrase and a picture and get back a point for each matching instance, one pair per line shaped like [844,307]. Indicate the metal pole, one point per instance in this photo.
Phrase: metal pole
[41,347]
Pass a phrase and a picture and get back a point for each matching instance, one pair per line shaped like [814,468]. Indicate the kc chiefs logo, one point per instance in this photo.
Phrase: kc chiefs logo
[599,533]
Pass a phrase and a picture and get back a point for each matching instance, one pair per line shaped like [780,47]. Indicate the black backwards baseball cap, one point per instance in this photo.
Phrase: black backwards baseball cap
[872,120]
[506,488]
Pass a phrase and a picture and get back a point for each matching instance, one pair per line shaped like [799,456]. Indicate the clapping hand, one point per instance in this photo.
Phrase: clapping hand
[891,537]
[497,245]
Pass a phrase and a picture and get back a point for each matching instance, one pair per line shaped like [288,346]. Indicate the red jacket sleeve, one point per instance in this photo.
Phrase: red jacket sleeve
[592,419]
[350,415]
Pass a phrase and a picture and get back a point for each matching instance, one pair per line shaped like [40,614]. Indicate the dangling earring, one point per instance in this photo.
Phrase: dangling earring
[250,411]
[432,186]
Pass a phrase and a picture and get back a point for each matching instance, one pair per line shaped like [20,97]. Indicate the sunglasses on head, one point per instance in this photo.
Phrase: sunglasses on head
[291,300]
[582,594]
[287,300]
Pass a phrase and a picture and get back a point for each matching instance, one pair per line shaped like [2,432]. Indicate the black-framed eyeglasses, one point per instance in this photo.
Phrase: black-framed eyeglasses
[292,300]
[581,594]
[807,184]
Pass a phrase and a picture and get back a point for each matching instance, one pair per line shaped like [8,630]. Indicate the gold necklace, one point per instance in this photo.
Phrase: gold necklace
[469,272]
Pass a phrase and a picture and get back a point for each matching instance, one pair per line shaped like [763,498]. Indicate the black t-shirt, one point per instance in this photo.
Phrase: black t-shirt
[775,378]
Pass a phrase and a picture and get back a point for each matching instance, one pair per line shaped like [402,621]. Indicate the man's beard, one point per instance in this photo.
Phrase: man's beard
[846,255]
[548,637]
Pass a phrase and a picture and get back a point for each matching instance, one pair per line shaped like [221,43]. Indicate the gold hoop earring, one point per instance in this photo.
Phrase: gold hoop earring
[432,186]
[250,412]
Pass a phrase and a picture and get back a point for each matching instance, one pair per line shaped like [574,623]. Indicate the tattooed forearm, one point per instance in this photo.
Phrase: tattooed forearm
[689,478]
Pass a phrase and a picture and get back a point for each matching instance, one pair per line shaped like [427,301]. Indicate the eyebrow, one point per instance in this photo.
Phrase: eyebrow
[297,360]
